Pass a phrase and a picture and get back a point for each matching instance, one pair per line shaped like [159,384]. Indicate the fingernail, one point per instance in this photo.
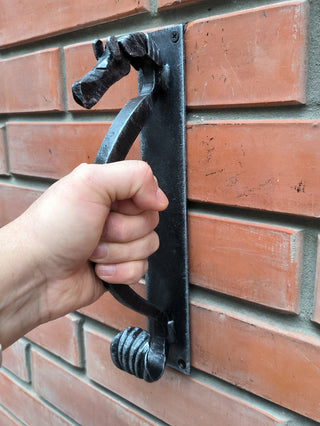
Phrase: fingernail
[100,252]
[107,270]
[161,196]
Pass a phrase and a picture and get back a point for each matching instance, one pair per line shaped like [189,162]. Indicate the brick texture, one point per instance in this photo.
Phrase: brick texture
[164,4]
[316,316]
[253,207]
[39,149]
[14,358]
[14,201]
[32,83]
[24,21]
[3,155]
[183,397]
[280,365]
[79,59]
[53,149]
[61,337]
[263,165]
[228,65]
[88,405]
[27,407]
[225,166]
[260,263]
[7,419]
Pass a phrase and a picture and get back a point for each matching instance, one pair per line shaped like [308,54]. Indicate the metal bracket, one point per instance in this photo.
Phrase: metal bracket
[159,113]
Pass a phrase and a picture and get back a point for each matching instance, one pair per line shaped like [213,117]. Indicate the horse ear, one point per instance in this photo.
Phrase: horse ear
[97,47]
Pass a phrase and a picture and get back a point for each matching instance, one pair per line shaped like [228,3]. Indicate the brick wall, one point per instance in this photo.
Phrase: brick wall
[253,154]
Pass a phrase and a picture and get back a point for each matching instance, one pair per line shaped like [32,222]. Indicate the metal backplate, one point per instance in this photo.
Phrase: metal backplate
[162,143]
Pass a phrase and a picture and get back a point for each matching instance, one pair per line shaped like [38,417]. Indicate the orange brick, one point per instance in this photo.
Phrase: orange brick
[60,337]
[279,365]
[52,150]
[3,156]
[316,314]
[26,406]
[187,400]
[165,4]
[14,358]
[6,418]
[14,200]
[88,405]
[26,21]
[256,262]
[227,65]
[79,59]
[267,165]
[32,82]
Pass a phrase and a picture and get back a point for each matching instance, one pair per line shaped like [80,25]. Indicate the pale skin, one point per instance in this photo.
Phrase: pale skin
[97,223]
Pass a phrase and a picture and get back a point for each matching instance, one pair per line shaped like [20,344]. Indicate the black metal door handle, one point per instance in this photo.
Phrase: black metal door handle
[132,350]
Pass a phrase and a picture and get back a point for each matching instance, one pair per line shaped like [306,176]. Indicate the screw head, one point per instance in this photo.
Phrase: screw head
[174,36]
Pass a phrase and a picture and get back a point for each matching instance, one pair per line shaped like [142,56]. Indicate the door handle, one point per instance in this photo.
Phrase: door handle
[158,113]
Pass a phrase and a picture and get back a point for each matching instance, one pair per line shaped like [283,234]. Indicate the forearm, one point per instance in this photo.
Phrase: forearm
[20,282]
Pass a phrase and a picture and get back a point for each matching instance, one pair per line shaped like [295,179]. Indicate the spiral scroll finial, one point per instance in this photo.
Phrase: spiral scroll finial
[134,350]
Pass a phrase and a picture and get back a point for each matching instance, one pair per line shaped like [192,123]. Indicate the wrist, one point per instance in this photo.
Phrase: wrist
[21,282]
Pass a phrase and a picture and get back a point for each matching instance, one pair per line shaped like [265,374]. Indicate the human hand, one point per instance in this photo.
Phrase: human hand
[104,214]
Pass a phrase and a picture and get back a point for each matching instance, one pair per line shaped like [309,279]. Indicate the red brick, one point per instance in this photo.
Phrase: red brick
[60,337]
[280,365]
[6,419]
[14,200]
[316,314]
[32,82]
[187,400]
[165,4]
[257,262]
[112,313]
[26,406]
[3,156]
[52,150]
[25,21]
[277,364]
[88,405]
[226,160]
[14,358]
[79,59]
[227,65]
[267,165]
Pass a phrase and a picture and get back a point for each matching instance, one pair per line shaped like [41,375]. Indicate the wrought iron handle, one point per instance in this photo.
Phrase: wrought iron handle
[132,350]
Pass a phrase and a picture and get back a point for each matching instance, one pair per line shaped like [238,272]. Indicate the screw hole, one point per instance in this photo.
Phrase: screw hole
[174,36]
[181,364]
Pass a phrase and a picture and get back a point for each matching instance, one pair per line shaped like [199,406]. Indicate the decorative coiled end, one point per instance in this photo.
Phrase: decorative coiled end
[134,350]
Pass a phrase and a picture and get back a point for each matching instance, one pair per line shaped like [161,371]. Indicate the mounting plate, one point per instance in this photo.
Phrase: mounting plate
[162,142]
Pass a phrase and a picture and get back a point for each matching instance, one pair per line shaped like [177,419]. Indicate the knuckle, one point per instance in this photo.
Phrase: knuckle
[136,271]
[120,229]
[146,170]
[153,218]
[154,242]
[83,172]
